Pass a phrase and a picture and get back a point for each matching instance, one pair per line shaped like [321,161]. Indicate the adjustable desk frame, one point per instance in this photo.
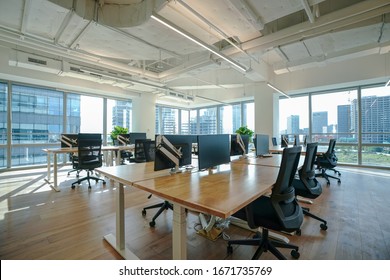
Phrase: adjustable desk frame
[201,191]
[57,151]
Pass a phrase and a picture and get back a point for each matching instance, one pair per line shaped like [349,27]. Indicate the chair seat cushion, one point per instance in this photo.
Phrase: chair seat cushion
[264,214]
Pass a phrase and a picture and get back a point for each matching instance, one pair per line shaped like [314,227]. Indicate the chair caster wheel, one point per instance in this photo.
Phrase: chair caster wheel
[229,249]
[152,223]
[73,187]
[295,254]
[323,226]
[339,181]
[144,212]
[298,232]
[104,182]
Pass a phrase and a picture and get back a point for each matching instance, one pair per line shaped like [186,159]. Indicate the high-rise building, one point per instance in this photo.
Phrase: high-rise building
[121,114]
[293,124]
[320,122]
[343,118]
[375,118]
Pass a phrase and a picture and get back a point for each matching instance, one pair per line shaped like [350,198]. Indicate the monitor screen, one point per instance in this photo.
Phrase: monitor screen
[213,150]
[136,135]
[182,142]
[262,144]
[235,148]
[68,140]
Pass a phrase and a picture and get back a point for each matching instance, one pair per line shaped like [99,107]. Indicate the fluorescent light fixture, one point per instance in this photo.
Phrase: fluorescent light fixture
[197,41]
[388,83]
[278,90]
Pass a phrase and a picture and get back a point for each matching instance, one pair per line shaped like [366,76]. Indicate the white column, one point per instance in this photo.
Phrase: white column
[266,112]
[144,114]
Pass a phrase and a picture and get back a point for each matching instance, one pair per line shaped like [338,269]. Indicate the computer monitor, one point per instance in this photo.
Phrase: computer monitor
[136,135]
[68,140]
[183,143]
[262,145]
[235,147]
[213,150]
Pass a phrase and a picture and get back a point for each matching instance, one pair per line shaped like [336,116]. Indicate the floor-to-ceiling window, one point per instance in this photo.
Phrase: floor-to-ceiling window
[294,116]
[119,113]
[3,124]
[39,115]
[37,119]
[358,118]
[375,126]
[333,118]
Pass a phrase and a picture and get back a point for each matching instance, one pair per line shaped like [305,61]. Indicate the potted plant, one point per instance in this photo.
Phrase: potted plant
[244,130]
[116,131]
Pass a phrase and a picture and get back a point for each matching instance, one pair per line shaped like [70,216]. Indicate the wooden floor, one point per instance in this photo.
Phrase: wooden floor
[39,223]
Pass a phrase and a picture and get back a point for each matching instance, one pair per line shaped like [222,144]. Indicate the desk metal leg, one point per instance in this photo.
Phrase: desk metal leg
[48,166]
[55,170]
[118,241]
[179,234]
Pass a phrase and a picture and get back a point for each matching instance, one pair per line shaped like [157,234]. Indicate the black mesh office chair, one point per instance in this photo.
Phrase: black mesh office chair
[149,148]
[139,151]
[307,185]
[328,161]
[280,211]
[89,156]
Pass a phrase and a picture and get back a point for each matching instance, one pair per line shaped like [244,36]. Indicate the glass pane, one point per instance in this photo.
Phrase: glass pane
[119,113]
[36,115]
[375,115]
[170,120]
[208,121]
[230,118]
[27,155]
[185,122]
[294,116]
[335,116]
[194,122]
[91,114]
[226,118]
[3,158]
[158,127]
[376,155]
[3,113]
[248,115]
[73,113]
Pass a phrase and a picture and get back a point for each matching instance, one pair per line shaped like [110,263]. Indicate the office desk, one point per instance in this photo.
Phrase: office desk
[56,151]
[273,161]
[278,149]
[126,175]
[220,192]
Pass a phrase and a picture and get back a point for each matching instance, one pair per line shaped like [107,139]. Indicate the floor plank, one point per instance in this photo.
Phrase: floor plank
[39,223]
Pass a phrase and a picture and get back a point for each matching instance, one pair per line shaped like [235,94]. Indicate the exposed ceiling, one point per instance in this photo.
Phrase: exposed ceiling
[124,43]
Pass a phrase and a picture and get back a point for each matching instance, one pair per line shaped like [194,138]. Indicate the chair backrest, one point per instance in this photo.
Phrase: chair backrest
[89,150]
[307,172]
[283,193]
[274,141]
[330,154]
[139,151]
[149,150]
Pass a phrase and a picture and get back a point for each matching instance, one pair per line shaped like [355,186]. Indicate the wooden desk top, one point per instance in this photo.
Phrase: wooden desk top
[130,173]
[279,149]
[273,161]
[220,192]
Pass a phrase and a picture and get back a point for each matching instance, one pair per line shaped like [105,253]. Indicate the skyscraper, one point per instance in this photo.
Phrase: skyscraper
[320,122]
[375,118]
[293,124]
[121,114]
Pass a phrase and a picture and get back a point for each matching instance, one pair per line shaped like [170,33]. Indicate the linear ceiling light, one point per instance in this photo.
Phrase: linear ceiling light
[278,90]
[388,83]
[197,41]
